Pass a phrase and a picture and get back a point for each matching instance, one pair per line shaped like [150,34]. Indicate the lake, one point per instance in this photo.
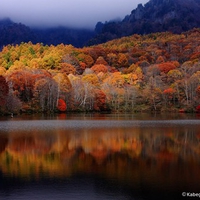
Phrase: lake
[99,156]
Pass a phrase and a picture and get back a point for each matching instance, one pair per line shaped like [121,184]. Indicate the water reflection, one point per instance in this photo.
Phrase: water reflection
[142,160]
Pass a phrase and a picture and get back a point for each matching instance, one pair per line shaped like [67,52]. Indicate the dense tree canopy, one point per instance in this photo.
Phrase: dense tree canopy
[155,72]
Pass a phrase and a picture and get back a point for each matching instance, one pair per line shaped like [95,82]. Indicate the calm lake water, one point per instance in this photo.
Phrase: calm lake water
[99,157]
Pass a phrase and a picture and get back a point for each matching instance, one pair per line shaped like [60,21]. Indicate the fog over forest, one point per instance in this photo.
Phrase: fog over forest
[71,13]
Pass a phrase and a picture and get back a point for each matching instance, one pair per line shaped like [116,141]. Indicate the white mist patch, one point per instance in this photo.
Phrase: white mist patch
[71,13]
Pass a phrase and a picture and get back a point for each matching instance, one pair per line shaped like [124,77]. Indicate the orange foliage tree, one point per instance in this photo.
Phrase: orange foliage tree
[67,68]
[101,60]
[99,68]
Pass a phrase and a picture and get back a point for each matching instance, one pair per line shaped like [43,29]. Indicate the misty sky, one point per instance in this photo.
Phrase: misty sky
[73,13]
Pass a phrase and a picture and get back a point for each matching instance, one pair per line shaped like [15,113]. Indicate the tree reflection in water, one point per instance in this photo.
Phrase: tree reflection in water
[156,157]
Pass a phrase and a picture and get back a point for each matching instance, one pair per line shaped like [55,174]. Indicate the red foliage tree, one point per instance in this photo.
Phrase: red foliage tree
[61,105]
[166,67]
[100,100]
[198,91]
[22,82]
[3,91]
[198,109]
[169,93]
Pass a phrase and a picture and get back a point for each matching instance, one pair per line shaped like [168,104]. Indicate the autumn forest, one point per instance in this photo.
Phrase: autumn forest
[158,72]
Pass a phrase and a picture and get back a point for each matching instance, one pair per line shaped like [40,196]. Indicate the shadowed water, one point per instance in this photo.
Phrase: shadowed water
[99,157]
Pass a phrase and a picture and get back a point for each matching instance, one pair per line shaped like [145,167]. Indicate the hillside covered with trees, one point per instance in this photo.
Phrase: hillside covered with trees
[175,16]
[156,72]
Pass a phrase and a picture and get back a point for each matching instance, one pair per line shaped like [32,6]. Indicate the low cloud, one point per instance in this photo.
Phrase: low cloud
[71,13]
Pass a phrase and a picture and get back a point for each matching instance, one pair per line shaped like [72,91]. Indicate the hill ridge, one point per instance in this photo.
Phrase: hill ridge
[155,16]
